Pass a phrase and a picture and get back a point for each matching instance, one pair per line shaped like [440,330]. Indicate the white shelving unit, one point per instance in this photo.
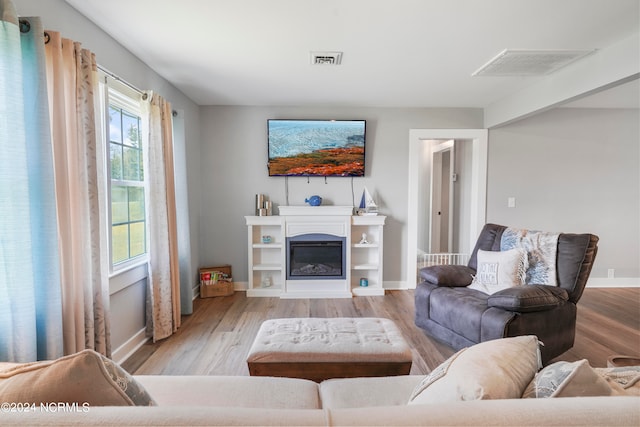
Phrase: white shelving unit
[266,260]
[366,258]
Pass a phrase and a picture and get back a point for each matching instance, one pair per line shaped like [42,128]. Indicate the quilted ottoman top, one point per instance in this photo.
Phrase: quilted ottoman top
[342,339]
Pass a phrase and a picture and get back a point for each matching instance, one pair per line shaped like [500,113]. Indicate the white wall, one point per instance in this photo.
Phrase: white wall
[57,15]
[233,165]
[572,170]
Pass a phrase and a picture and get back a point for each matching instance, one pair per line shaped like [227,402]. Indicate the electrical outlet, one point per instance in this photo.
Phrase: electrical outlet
[511,202]
[611,273]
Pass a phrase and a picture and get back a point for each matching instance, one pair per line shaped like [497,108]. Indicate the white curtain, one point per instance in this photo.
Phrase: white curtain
[163,293]
[30,292]
[80,194]
[53,257]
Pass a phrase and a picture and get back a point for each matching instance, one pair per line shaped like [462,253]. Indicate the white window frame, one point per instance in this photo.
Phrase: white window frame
[116,93]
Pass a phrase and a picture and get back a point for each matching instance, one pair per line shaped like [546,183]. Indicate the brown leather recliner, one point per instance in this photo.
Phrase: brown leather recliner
[459,316]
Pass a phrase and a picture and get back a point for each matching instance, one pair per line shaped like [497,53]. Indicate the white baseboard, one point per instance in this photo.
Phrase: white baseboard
[594,282]
[123,352]
[240,286]
[395,285]
[618,282]
[600,282]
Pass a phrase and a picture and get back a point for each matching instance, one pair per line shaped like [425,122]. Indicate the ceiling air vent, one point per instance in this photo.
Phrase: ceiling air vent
[326,58]
[513,62]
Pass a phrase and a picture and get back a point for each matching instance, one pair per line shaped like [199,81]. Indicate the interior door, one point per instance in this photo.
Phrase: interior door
[442,196]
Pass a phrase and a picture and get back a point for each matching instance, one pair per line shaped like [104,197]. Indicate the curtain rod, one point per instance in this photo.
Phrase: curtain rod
[144,94]
[25,26]
[116,77]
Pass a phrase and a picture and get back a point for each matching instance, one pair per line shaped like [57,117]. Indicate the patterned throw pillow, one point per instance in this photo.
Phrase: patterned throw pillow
[623,380]
[567,379]
[500,270]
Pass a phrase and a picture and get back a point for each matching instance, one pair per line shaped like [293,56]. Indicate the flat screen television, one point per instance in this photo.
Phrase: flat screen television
[316,147]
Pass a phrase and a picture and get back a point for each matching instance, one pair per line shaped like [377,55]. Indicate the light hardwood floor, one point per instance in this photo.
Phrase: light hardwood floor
[215,339]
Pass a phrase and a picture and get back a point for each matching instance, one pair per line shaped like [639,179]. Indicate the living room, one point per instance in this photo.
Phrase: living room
[570,167]
[223,164]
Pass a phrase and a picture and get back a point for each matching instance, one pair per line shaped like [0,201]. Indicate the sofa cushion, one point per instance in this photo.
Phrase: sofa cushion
[567,379]
[500,270]
[528,298]
[363,392]
[84,378]
[497,369]
[448,275]
[170,416]
[224,391]
[583,411]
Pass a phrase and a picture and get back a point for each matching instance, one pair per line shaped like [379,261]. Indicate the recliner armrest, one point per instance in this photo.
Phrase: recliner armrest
[448,275]
[528,298]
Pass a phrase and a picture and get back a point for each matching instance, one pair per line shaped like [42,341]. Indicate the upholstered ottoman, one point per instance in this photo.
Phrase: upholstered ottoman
[323,348]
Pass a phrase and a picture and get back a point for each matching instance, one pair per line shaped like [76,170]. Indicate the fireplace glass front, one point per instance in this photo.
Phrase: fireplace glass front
[316,256]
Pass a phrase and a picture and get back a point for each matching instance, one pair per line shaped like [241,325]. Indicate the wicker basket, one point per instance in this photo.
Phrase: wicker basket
[216,281]
[219,289]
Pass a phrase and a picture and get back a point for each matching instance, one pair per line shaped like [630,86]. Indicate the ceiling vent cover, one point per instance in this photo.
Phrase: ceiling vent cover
[513,62]
[326,58]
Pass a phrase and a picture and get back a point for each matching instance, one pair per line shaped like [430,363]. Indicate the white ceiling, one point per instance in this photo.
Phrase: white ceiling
[396,53]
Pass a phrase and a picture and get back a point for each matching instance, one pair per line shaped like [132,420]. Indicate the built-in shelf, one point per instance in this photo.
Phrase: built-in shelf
[365,245]
[366,258]
[266,260]
[267,246]
[365,267]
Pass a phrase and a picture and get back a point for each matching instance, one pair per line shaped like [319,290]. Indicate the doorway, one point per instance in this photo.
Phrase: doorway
[441,196]
[475,216]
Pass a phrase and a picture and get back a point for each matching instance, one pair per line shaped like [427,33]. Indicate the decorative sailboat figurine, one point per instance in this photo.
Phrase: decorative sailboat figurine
[367,205]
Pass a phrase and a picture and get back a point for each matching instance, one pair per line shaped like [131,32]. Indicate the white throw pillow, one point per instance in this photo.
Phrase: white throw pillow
[496,369]
[500,270]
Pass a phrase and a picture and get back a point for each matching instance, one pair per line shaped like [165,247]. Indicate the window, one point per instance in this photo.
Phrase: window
[128,231]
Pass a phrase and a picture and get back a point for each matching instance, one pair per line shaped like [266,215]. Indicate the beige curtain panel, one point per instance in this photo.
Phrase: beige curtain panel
[163,307]
[80,194]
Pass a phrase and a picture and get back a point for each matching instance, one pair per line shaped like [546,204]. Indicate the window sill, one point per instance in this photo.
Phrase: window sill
[128,276]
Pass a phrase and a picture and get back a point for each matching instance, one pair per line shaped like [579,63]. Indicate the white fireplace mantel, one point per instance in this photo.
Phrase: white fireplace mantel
[315,210]
[267,257]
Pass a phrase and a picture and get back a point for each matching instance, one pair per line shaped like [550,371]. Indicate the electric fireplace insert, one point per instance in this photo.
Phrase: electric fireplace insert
[316,256]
